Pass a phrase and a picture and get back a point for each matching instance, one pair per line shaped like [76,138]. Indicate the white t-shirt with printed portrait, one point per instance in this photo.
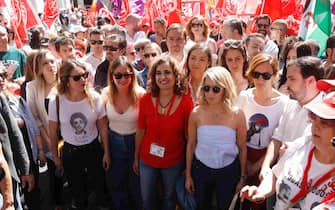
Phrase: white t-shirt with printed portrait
[289,172]
[78,119]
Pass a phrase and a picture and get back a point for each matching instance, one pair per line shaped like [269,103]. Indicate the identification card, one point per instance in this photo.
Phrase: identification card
[157,150]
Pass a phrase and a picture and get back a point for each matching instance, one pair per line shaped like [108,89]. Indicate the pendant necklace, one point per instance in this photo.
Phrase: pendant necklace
[165,106]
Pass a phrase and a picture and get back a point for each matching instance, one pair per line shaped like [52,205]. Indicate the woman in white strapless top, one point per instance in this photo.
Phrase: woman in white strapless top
[216,147]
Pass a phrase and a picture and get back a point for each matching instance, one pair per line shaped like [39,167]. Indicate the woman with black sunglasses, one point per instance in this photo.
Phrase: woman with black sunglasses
[78,113]
[120,99]
[263,105]
[216,147]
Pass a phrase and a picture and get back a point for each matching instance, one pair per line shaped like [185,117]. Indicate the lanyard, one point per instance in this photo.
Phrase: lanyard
[304,188]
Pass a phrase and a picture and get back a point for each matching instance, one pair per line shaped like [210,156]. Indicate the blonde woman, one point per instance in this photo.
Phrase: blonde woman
[38,93]
[82,121]
[121,102]
[216,147]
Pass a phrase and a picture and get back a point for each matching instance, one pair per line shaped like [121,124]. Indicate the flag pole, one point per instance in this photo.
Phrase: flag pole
[262,9]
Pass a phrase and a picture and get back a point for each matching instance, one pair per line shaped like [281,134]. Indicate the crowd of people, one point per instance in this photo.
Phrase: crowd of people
[187,116]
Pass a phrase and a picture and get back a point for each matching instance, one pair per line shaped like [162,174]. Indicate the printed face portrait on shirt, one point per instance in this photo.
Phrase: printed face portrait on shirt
[78,122]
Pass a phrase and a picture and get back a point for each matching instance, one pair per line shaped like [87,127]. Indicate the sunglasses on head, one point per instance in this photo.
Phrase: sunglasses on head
[120,75]
[147,55]
[265,76]
[259,25]
[207,88]
[197,25]
[232,44]
[99,42]
[110,48]
[76,78]
[139,48]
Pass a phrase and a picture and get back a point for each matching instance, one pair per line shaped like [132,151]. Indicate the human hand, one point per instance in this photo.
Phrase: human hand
[106,161]
[189,185]
[28,181]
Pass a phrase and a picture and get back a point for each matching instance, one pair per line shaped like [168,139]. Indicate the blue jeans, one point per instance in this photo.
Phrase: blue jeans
[149,179]
[123,184]
[223,181]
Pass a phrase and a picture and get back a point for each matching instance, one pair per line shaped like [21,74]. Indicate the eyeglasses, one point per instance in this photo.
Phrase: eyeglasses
[259,25]
[120,75]
[197,25]
[110,48]
[3,75]
[132,53]
[76,78]
[147,55]
[265,76]
[232,44]
[207,88]
[139,48]
[99,42]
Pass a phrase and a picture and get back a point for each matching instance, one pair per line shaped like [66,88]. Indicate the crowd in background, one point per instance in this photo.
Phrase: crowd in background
[188,116]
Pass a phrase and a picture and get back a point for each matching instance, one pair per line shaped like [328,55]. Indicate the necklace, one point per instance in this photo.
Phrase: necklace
[165,106]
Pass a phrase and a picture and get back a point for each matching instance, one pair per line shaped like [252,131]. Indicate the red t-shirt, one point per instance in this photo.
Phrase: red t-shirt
[168,131]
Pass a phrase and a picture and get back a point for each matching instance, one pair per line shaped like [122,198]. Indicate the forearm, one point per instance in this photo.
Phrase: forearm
[243,160]
[138,140]
[53,138]
[6,185]
[271,153]
[267,186]
[189,157]
[45,138]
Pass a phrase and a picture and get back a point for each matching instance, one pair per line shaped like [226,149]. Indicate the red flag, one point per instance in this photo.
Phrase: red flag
[23,17]
[172,14]
[50,12]
[125,11]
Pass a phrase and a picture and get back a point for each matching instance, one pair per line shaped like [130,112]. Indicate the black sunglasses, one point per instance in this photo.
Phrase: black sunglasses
[259,25]
[207,88]
[76,78]
[265,76]
[119,75]
[99,42]
[110,48]
[147,55]
[197,25]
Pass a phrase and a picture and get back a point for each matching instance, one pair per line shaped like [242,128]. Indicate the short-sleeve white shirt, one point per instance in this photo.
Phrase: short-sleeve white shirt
[78,119]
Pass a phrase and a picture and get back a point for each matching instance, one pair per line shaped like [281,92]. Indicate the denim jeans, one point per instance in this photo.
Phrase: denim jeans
[123,184]
[149,178]
[223,181]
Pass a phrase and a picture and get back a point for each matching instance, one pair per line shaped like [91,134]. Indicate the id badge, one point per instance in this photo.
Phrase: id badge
[157,150]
